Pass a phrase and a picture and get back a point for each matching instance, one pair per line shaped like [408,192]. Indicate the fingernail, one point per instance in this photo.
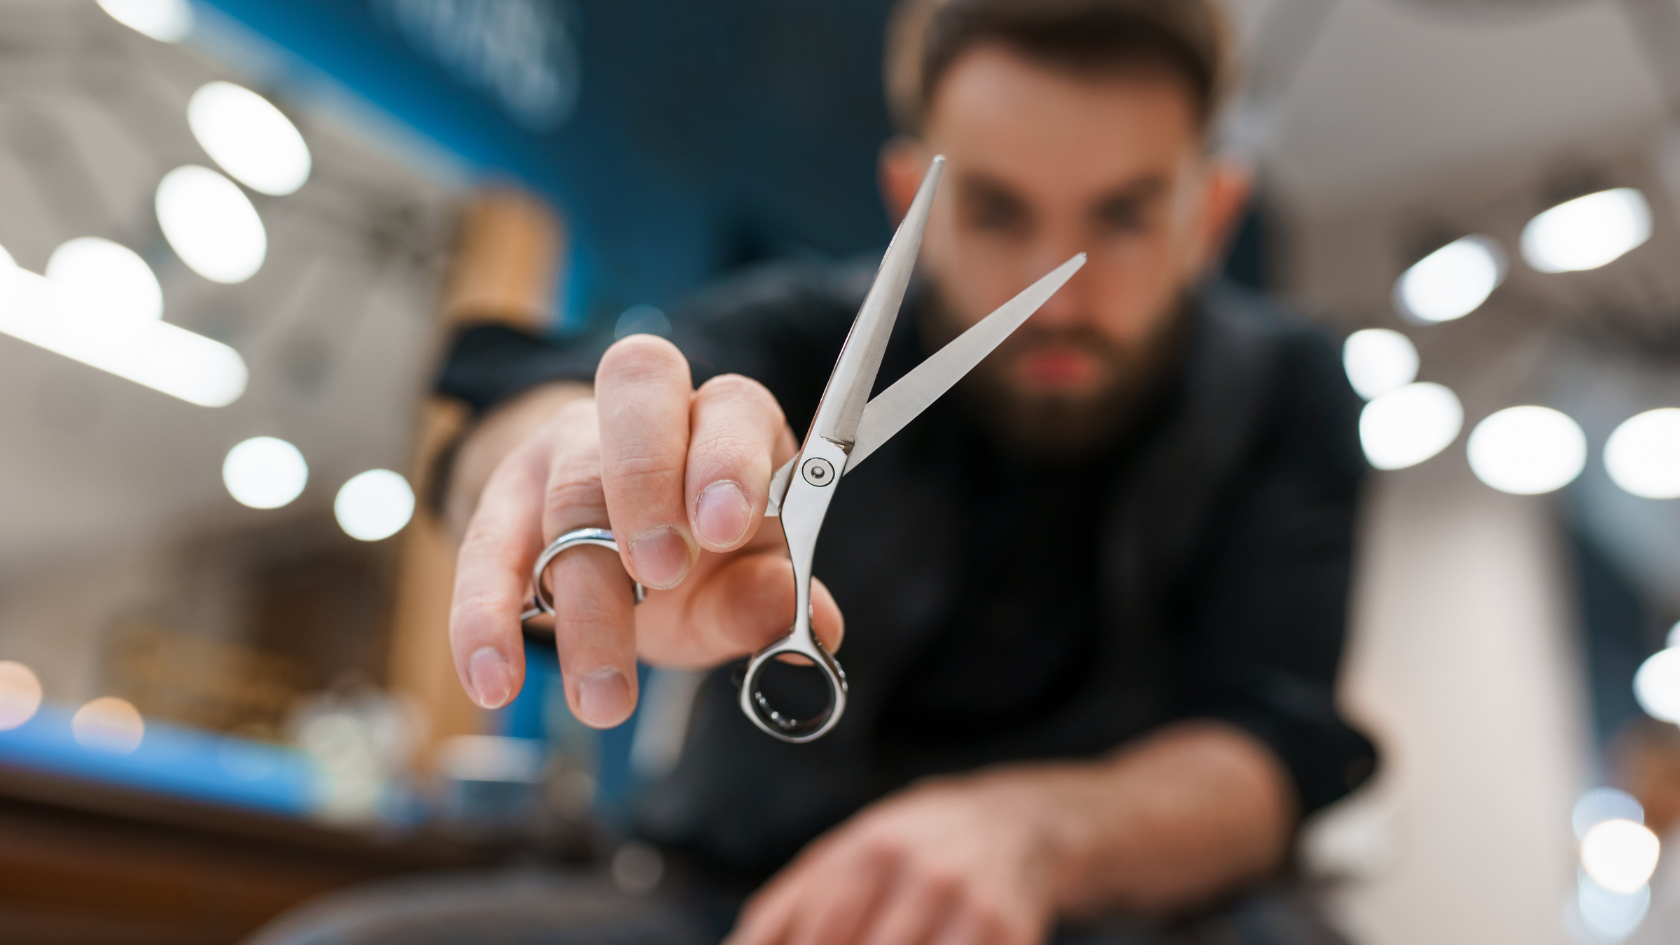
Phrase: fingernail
[604,697]
[492,678]
[721,513]
[660,556]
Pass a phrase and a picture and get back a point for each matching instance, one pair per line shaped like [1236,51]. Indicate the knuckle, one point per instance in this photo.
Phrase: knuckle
[578,499]
[639,471]
[940,882]
[480,542]
[742,394]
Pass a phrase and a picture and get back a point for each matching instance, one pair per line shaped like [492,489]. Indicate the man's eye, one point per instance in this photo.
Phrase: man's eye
[996,215]
[1122,218]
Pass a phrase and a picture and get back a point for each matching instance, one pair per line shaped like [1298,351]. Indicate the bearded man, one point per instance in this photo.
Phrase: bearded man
[1091,603]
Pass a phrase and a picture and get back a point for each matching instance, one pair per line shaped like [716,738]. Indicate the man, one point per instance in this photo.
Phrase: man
[1092,602]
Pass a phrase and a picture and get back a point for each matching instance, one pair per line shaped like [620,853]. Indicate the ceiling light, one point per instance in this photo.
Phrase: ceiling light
[265,472]
[1527,450]
[146,351]
[1601,804]
[374,505]
[1408,425]
[1587,232]
[1643,454]
[1451,282]
[1609,917]
[250,138]
[108,724]
[168,21]
[1378,360]
[211,224]
[1620,855]
[102,279]
[20,694]
[1657,685]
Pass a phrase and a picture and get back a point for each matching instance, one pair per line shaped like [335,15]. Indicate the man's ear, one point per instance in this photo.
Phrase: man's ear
[1229,186]
[902,167]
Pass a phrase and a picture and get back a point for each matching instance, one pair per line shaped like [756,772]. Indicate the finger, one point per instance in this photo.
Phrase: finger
[491,575]
[850,894]
[744,605]
[642,394]
[594,607]
[735,430]
[913,913]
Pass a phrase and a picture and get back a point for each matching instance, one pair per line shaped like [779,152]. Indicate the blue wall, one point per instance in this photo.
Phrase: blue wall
[679,138]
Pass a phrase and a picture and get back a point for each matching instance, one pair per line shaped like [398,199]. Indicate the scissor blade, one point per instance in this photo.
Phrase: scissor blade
[779,487]
[928,381]
[860,360]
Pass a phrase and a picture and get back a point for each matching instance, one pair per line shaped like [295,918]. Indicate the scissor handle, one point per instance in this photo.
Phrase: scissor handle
[764,715]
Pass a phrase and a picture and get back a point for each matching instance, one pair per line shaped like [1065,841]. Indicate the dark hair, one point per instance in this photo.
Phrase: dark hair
[926,37]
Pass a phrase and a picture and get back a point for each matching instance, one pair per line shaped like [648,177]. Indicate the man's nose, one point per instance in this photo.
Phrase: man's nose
[1068,307]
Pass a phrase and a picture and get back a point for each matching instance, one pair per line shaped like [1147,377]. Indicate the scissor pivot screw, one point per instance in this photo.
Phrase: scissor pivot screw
[818,471]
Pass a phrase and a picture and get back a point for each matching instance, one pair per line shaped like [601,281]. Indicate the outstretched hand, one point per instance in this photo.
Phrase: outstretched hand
[681,476]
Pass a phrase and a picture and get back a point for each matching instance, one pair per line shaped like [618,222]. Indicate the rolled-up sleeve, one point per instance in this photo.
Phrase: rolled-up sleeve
[1267,623]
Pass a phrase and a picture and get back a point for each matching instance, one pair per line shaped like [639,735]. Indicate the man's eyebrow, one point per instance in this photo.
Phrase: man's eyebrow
[984,185]
[1133,192]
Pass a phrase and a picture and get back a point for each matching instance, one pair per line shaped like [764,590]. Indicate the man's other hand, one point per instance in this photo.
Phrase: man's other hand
[945,863]
[681,476]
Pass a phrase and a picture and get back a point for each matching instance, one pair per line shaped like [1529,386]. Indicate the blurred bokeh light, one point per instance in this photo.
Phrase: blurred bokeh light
[1378,360]
[211,224]
[20,694]
[1643,454]
[1587,232]
[1527,450]
[108,724]
[1620,855]
[1451,282]
[374,505]
[265,472]
[251,139]
[102,279]
[1410,424]
[168,21]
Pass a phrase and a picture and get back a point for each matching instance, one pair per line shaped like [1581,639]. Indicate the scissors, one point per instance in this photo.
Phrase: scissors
[848,427]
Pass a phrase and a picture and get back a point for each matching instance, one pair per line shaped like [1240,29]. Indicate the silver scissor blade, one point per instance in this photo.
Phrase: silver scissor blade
[928,381]
[779,487]
[860,359]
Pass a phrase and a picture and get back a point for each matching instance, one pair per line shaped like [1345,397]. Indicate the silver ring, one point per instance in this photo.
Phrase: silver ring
[540,602]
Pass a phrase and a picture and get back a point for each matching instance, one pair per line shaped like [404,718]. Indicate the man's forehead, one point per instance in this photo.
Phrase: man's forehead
[1000,114]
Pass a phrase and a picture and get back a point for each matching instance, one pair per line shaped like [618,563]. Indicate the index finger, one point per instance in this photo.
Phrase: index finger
[492,572]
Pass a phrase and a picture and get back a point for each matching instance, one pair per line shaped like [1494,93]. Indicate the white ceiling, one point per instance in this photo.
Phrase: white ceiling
[1397,97]
[336,327]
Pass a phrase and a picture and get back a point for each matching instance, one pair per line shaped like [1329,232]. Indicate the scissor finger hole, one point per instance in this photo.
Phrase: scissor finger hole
[794,701]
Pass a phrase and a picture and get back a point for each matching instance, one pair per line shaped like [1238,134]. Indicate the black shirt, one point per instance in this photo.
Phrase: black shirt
[1002,609]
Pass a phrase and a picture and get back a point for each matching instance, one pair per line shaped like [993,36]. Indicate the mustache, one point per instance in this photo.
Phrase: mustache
[1084,338]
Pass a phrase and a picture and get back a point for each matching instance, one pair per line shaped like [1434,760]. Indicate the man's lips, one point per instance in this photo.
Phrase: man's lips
[1058,369]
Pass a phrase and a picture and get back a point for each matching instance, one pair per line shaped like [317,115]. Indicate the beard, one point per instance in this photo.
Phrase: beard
[1054,425]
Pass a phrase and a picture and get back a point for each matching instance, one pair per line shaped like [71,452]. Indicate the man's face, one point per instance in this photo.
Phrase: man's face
[1045,163]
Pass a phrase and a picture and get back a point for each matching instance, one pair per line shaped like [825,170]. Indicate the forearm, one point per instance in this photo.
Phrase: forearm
[1194,811]
[500,431]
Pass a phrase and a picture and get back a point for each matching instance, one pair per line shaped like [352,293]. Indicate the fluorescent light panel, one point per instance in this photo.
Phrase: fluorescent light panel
[155,354]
